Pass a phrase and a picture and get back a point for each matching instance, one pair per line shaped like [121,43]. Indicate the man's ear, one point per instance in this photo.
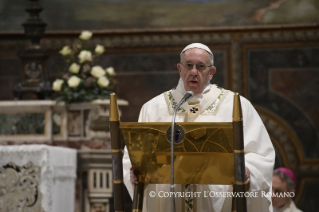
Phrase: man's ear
[179,67]
[213,70]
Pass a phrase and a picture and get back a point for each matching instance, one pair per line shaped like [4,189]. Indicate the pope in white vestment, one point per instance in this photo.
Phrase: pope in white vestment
[213,104]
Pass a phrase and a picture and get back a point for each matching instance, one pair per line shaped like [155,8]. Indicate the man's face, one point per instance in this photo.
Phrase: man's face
[195,80]
[279,186]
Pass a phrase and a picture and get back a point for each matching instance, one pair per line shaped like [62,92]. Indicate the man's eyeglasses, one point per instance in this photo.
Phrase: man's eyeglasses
[199,67]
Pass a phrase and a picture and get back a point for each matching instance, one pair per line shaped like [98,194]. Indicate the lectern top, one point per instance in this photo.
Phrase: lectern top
[204,155]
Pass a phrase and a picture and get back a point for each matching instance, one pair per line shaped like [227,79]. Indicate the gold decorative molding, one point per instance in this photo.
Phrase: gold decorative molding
[119,40]
[299,191]
[288,142]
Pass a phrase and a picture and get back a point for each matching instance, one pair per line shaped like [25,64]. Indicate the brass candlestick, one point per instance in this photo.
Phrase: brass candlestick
[34,76]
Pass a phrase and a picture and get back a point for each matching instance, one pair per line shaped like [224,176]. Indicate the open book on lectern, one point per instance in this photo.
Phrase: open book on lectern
[203,152]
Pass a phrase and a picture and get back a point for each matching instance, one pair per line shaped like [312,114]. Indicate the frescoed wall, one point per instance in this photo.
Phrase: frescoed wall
[158,14]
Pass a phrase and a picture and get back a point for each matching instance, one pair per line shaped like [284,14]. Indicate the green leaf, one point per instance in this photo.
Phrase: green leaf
[186,186]
[191,206]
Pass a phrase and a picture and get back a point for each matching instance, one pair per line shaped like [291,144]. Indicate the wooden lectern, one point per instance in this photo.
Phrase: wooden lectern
[208,153]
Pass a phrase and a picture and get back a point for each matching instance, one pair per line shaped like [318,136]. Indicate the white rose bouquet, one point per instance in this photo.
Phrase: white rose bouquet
[84,81]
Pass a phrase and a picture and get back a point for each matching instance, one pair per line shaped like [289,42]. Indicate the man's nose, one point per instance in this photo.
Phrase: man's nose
[194,70]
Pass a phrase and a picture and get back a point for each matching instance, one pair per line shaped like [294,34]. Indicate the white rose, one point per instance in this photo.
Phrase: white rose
[99,49]
[85,35]
[103,82]
[85,56]
[110,71]
[97,71]
[74,81]
[57,85]
[74,68]
[66,50]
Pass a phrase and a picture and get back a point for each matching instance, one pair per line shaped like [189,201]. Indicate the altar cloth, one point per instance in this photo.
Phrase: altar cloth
[37,176]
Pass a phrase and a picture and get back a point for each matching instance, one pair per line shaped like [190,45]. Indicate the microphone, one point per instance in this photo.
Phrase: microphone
[188,95]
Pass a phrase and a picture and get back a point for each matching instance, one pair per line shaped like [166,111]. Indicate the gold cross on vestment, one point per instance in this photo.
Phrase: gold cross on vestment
[194,109]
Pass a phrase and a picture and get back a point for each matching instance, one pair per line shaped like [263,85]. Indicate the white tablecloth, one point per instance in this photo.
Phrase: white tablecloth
[57,176]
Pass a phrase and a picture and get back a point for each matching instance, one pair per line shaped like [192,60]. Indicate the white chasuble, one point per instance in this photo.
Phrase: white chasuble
[213,105]
[288,207]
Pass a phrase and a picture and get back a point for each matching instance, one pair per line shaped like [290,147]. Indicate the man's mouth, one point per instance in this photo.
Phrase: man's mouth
[193,81]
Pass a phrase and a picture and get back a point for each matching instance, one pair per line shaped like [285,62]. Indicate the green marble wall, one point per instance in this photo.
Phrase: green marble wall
[22,123]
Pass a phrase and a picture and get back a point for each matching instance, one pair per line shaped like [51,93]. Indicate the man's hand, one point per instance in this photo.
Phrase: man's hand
[247,175]
[133,177]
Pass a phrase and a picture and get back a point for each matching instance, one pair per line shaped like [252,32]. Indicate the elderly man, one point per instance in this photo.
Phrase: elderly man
[209,104]
[283,182]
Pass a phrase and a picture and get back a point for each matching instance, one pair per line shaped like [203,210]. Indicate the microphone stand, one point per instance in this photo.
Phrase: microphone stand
[172,186]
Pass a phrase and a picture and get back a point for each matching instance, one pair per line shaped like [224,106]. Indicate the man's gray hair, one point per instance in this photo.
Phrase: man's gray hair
[199,46]
[290,183]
